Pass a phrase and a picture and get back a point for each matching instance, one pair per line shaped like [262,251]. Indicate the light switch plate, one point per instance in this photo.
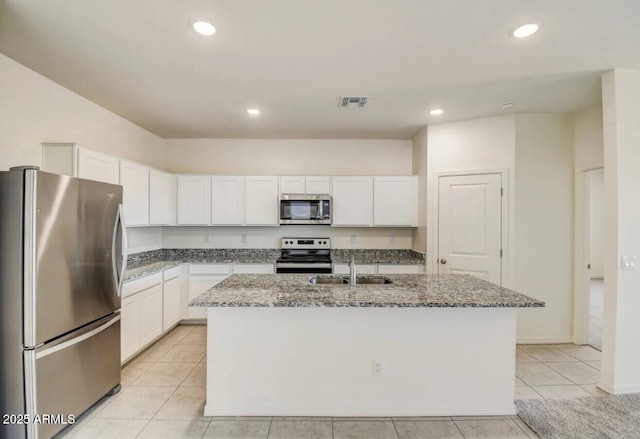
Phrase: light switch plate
[628,263]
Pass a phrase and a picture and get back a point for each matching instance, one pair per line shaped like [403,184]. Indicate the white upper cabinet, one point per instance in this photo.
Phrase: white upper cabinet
[261,201]
[162,198]
[134,179]
[227,194]
[395,201]
[352,201]
[194,200]
[292,185]
[97,166]
[305,185]
[318,185]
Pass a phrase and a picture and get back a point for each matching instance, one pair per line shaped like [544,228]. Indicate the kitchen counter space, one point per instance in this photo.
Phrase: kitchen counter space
[145,263]
[406,291]
[425,345]
[393,257]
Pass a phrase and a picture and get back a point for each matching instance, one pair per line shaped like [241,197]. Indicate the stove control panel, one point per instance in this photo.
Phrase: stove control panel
[306,243]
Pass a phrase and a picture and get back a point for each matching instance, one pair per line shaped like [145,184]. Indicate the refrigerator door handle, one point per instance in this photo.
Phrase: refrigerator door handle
[118,276]
[78,339]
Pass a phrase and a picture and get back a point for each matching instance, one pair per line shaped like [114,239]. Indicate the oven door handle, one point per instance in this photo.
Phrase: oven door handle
[301,265]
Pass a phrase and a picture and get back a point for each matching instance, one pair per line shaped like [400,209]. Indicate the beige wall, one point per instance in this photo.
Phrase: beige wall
[536,153]
[34,109]
[543,255]
[621,326]
[419,162]
[587,134]
[289,156]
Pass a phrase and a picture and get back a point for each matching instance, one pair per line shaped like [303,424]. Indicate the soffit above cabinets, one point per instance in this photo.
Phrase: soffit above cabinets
[294,59]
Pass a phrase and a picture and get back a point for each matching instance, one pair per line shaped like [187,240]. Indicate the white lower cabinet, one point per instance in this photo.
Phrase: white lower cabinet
[150,306]
[129,327]
[360,269]
[380,268]
[150,314]
[171,303]
[203,277]
[400,269]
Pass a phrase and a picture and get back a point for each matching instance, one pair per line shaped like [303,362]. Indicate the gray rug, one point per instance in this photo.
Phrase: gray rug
[605,417]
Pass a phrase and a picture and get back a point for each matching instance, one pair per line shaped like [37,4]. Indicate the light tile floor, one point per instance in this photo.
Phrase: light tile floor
[596,310]
[163,396]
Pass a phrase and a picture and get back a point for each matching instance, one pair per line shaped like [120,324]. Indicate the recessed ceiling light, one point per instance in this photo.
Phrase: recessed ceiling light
[204,28]
[253,111]
[508,105]
[526,30]
[436,112]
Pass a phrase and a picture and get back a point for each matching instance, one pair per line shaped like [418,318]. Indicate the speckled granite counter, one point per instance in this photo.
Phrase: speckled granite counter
[404,257]
[145,263]
[408,290]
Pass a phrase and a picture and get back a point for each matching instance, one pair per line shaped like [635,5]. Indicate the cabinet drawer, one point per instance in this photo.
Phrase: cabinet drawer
[253,268]
[210,269]
[141,283]
[360,269]
[171,273]
[399,269]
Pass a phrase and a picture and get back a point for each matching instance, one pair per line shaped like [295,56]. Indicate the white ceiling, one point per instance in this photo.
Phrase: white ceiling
[294,58]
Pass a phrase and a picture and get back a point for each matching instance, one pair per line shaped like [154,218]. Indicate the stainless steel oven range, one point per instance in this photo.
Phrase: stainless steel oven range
[305,255]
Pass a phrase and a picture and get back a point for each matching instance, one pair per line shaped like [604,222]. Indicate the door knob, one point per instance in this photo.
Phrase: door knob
[443,261]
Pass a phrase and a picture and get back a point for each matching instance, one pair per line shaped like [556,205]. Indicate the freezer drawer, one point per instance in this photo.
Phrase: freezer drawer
[73,373]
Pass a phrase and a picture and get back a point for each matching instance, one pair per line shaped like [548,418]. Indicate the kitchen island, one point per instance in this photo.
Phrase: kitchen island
[421,345]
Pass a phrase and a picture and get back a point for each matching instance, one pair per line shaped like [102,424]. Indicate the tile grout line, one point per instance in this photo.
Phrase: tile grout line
[458,428]
[522,429]
[269,431]
[395,428]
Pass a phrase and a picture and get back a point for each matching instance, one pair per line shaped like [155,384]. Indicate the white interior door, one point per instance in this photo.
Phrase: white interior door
[470,225]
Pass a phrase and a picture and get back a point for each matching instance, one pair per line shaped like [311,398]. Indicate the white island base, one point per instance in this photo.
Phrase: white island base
[319,361]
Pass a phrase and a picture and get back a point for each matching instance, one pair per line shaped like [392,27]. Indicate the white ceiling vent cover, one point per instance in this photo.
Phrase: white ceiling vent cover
[353,101]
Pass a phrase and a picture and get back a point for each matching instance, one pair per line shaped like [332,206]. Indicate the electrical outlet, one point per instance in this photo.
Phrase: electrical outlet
[206,238]
[354,239]
[244,239]
[377,367]
[392,239]
[628,263]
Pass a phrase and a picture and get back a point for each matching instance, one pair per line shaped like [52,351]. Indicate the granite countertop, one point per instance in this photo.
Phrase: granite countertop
[143,264]
[400,257]
[407,290]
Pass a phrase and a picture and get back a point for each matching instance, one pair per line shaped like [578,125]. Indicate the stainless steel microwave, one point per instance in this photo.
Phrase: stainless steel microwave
[305,209]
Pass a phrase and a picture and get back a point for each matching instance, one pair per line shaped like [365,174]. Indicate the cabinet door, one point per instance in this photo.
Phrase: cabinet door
[171,303]
[199,284]
[194,200]
[292,185]
[134,179]
[150,314]
[129,327]
[162,198]
[261,201]
[352,201]
[99,167]
[395,201]
[227,194]
[318,185]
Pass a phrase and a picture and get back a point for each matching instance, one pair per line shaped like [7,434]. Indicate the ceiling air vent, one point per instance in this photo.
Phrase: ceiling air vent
[353,101]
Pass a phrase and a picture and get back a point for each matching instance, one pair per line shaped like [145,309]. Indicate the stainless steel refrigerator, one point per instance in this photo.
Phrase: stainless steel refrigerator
[62,259]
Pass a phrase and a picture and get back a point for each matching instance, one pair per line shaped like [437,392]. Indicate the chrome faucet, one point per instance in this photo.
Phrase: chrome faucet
[352,272]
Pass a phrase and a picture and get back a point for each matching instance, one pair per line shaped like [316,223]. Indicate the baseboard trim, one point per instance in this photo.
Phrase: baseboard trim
[360,411]
[544,340]
[618,390]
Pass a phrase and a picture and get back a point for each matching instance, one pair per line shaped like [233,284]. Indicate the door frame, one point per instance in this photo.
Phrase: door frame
[505,266]
[580,272]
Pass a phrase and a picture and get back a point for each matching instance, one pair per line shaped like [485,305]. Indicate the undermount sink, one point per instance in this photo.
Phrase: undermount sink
[328,280]
[373,280]
[363,280]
